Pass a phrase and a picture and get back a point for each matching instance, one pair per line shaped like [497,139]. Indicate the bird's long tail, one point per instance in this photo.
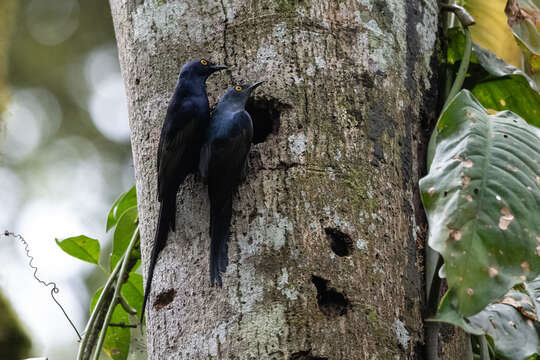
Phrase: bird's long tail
[167,213]
[220,220]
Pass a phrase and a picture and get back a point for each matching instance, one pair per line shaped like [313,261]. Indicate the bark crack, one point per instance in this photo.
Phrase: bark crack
[225,28]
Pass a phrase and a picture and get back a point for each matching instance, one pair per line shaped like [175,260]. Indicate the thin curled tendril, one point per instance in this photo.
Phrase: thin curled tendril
[54,289]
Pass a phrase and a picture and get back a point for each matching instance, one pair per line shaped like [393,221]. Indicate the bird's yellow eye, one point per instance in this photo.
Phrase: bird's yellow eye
[204,62]
[238,88]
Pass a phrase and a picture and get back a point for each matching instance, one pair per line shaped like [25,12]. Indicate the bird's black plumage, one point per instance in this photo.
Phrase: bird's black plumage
[222,163]
[180,142]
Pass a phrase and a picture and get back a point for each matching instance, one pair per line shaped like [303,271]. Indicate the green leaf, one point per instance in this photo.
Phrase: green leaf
[82,247]
[513,336]
[127,224]
[448,314]
[533,289]
[132,291]
[126,201]
[496,84]
[482,196]
[117,340]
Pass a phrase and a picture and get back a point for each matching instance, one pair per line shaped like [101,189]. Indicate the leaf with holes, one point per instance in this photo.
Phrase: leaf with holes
[495,83]
[513,336]
[126,201]
[482,199]
[117,339]
[123,233]
[82,247]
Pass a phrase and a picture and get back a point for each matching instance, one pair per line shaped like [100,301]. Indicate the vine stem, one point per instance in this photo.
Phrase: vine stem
[116,296]
[434,260]
[90,326]
[463,67]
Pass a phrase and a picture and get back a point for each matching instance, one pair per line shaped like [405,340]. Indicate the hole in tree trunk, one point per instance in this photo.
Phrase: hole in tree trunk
[331,303]
[265,113]
[305,355]
[164,298]
[341,243]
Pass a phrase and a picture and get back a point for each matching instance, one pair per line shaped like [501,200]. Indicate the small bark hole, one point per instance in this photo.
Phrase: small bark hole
[265,113]
[341,243]
[331,303]
[305,355]
[164,299]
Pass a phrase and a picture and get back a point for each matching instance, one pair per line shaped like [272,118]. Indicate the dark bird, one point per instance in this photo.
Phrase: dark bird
[223,166]
[179,148]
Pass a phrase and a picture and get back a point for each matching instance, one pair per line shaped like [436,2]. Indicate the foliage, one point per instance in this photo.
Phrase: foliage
[123,217]
[82,247]
[496,84]
[482,196]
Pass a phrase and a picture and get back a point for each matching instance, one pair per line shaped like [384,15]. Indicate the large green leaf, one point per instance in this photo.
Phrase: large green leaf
[82,247]
[482,199]
[496,84]
[132,291]
[123,233]
[126,201]
[117,339]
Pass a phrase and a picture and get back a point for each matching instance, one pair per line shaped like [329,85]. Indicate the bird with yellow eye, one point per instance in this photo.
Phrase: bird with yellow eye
[223,165]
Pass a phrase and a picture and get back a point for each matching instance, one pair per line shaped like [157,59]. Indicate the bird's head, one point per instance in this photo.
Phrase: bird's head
[239,94]
[201,68]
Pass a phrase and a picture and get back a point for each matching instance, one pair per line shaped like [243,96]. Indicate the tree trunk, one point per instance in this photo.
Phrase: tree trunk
[325,248]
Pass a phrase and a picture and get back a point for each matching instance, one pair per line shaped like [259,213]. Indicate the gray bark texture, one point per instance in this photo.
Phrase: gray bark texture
[326,247]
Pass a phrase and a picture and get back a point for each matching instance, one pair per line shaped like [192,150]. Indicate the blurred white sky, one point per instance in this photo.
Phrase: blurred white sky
[66,192]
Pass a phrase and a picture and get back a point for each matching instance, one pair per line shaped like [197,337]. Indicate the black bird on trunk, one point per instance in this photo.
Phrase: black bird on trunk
[223,165]
[179,148]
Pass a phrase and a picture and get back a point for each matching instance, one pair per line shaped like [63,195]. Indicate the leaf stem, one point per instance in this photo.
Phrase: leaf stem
[484,350]
[116,296]
[469,353]
[434,260]
[93,316]
[463,68]
[129,309]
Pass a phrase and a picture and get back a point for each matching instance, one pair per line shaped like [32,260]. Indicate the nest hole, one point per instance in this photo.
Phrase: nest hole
[331,302]
[164,298]
[266,114]
[340,243]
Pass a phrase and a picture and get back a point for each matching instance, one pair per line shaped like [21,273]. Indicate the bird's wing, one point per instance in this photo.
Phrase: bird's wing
[179,129]
[229,154]
[226,156]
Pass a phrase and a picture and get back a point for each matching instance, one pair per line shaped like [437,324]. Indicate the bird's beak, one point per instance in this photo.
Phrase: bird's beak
[254,85]
[217,67]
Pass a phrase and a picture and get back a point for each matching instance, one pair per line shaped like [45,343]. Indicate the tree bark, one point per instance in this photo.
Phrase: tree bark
[325,253]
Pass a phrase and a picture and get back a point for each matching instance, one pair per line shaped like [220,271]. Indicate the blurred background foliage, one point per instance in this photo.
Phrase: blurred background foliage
[65,156]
